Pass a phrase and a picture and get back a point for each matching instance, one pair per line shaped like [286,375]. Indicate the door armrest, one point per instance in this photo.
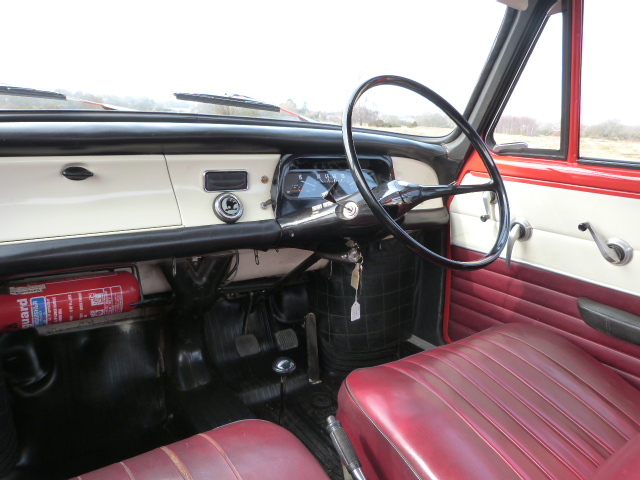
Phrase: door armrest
[612,321]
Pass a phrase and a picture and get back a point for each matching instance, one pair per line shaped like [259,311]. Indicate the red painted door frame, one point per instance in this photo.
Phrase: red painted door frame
[567,174]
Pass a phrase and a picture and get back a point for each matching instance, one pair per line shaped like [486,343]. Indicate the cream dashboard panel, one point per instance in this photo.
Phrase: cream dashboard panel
[196,205]
[556,243]
[126,192]
[415,171]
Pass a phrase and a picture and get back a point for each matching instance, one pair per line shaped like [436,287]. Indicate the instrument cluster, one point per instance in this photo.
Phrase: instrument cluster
[302,180]
[313,183]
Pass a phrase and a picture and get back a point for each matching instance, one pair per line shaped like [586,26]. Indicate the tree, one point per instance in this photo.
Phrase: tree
[290,105]
[365,116]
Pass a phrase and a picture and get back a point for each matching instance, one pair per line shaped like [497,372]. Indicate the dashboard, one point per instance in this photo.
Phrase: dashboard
[147,195]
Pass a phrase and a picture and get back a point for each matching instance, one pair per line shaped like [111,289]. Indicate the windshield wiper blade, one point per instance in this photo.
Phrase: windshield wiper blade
[231,101]
[46,94]
[236,101]
[30,92]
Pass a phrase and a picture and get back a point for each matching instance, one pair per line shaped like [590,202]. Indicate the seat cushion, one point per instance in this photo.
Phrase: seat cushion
[245,450]
[515,401]
[622,465]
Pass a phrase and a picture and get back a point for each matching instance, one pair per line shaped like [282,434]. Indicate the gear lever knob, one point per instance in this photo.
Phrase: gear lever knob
[284,367]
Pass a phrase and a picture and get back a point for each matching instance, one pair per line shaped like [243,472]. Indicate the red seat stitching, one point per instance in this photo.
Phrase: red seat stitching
[224,455]
[392,367]
[564,387]
[126,469]
[610,449]
[519,400]
[486,416]
[538,414]
[184,472]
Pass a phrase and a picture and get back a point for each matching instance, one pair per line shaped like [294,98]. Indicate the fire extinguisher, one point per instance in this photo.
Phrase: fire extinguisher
[66,300]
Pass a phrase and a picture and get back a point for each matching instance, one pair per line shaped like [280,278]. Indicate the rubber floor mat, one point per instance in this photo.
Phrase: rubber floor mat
[205,408]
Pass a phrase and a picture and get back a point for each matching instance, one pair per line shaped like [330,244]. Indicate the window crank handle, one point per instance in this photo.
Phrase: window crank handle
[614,250]
[488,198]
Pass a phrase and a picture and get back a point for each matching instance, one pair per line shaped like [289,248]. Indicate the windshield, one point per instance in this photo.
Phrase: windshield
[304,58]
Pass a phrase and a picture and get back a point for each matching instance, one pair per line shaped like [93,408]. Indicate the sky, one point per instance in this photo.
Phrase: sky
[310,52]
[610,65]
[316,53]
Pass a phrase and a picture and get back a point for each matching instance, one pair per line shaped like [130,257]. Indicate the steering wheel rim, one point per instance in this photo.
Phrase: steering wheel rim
[496,184]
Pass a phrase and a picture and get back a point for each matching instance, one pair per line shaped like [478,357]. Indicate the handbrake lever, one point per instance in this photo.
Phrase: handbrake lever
[344,447]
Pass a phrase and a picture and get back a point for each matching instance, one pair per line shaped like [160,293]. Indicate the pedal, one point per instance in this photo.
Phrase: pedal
[247,345]
[286,339]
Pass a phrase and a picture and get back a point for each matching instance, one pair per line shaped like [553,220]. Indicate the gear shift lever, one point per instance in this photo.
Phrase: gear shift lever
[284,367]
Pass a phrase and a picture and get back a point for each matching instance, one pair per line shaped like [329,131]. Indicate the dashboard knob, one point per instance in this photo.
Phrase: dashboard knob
[228,207]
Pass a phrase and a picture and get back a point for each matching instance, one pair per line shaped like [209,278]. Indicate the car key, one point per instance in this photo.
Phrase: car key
[356,279]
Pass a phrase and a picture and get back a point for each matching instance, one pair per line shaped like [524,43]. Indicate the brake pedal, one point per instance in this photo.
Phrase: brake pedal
[286,339]
[247,345]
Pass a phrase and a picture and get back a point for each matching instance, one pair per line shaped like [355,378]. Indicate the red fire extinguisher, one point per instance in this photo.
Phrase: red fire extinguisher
[66,300]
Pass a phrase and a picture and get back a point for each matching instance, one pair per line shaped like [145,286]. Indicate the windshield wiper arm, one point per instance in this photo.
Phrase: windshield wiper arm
[46,94]
[236,101]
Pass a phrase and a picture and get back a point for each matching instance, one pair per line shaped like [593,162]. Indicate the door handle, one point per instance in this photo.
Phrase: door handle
[76,173]
[521,230]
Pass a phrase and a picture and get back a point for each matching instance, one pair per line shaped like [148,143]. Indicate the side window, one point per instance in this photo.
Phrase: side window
[610,104]
[532,118]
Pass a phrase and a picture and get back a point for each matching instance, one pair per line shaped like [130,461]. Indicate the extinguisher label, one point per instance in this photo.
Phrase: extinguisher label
[39,311]
[97,298]
[49,309]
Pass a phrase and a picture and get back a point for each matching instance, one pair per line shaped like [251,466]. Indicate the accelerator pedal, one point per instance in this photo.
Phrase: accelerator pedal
[286,339]
[247,345]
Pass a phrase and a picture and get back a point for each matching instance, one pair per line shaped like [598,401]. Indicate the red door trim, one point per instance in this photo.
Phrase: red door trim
[576,81]
[567,174]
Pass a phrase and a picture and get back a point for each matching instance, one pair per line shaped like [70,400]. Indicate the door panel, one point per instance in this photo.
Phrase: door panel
[496,295]
[556,243]
[550,271]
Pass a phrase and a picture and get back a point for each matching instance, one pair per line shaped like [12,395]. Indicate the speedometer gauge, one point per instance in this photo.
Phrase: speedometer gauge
[313,183]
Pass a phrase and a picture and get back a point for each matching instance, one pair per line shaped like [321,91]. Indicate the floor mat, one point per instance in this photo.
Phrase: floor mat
[305,416]
[205,408]
[105,402]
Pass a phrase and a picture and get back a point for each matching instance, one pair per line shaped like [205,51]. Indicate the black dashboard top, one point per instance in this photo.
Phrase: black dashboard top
[39,135]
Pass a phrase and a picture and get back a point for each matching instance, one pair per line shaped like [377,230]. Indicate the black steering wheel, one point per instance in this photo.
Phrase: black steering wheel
[495,183]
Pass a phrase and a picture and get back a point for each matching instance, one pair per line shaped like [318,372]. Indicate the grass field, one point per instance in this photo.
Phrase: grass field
[589,147]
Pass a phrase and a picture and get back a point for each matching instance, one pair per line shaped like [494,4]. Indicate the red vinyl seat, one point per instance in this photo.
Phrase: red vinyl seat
[512,402]
[245,450]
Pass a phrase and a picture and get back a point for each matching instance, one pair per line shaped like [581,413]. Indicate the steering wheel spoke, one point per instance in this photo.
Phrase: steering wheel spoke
[437,191]
[410,195]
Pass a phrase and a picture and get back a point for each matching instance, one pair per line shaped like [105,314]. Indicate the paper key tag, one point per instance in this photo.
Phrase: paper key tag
[355,311]
[355,277]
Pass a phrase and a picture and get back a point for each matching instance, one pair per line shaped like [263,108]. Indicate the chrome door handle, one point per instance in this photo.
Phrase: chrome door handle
[614,250]
[521,230]
[76,173]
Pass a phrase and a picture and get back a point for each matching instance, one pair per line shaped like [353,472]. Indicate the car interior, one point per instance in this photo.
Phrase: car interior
[190,296]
